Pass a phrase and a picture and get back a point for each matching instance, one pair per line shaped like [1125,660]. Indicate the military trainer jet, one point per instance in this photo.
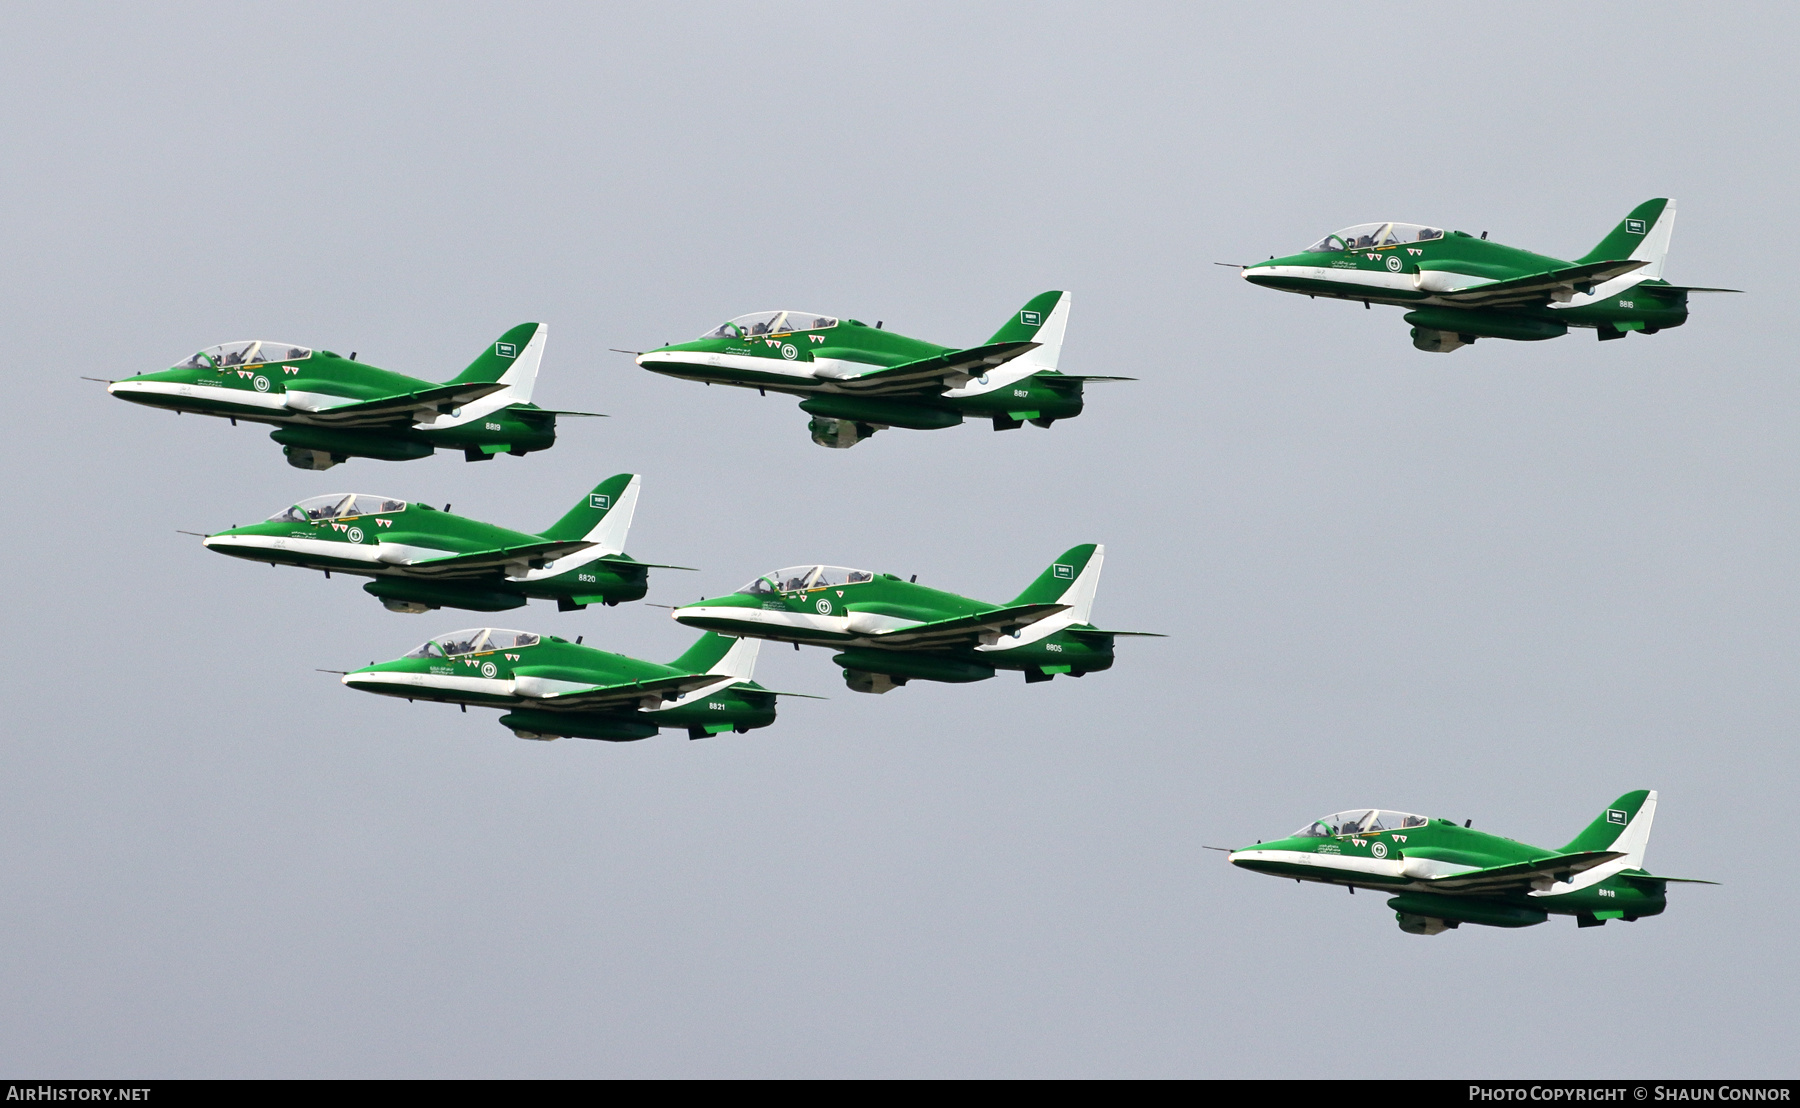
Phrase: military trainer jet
[327,409]
[1461,288]
[859,379]
[552,688]
[421,558]
[890,631]
[1447,875]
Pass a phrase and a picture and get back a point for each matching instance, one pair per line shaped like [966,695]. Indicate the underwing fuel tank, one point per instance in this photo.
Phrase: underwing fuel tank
[892,413]
[924,667]
[1487,325]
[1466,910]
[352,444]
[551,725]
[400,594]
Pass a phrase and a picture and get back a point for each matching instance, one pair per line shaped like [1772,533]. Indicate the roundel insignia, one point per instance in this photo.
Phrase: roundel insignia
[1379,850]
[788,351]
[824,606]
[261,383]
[488,669]
[1393,262]
[354,534]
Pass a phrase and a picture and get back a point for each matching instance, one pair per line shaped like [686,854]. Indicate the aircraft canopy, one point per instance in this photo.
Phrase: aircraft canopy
[247,352]
[1370,235]
[771,323]
[476,640]
[338,505]
[1359,821]
[798,578]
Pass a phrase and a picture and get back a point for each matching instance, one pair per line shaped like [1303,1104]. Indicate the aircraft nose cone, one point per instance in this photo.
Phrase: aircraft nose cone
[371,678]
[1250,858]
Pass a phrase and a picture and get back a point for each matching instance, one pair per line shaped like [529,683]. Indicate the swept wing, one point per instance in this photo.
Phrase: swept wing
[404,407]
[1520,875]
[966,630]
[482,561]
[927,375]
[629,694]
[1538,286]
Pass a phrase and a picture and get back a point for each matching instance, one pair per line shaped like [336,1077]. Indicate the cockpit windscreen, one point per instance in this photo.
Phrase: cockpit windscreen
[802,578]
[338,505]
[757,324]
[476,640]
[1368,236]
[1358,821]
[247,352]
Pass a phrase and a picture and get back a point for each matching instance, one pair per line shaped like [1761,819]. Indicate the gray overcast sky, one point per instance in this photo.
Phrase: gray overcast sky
[1506,584]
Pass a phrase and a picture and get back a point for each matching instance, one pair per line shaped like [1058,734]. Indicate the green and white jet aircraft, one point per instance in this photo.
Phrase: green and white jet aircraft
[890,631]
[859,379]
[327,409]
[1461,288]
[421,558]
[552,688]
[1447,875]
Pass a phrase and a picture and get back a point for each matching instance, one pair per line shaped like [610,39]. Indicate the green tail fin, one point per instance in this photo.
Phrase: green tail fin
[504,356]
[720,654]
[1059,577]
[1024,325]
[1629,235]
[602,516]
[1610,824]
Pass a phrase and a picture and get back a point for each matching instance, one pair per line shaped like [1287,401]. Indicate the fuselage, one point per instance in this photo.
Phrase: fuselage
[527,673]
[396,540]
[293,388]
[1403,854]
[1400,267]
[859,612]
[810,355]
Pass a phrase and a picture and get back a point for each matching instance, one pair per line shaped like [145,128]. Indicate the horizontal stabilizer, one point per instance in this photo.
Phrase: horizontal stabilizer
[481,561]
[1521,875]
[927,375]
[982,627]
[1098,631]
[407,407]
[1085,377]
[564,411]
[1684,288]
[647,565]
[1658,877]
[1539,286]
